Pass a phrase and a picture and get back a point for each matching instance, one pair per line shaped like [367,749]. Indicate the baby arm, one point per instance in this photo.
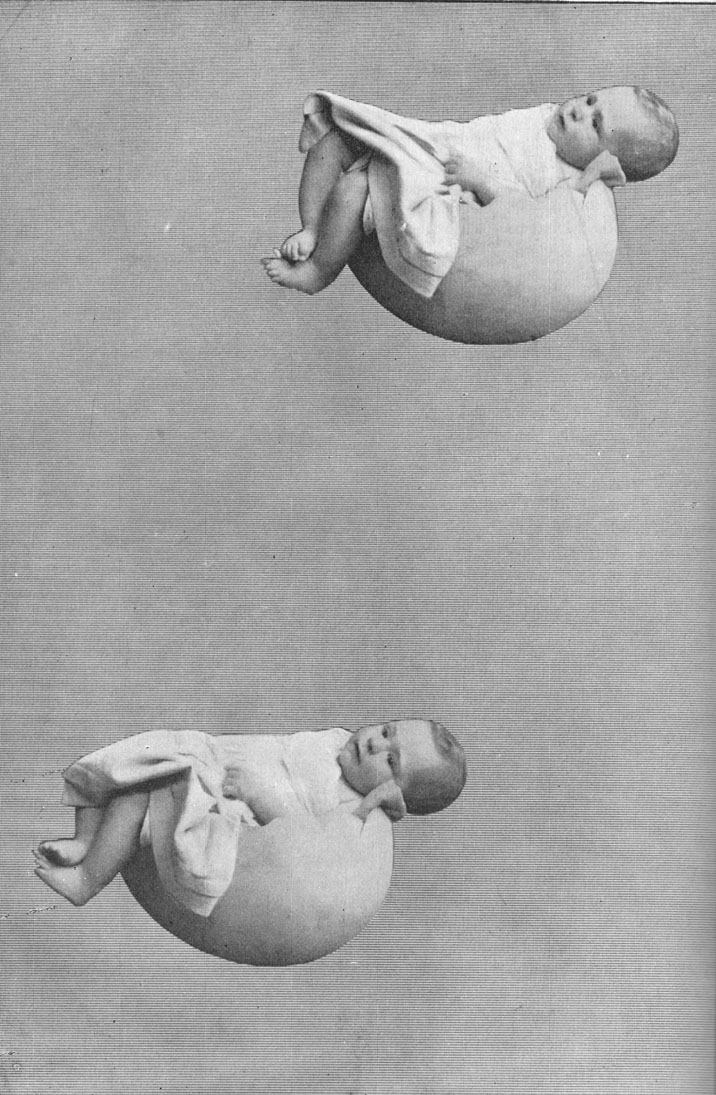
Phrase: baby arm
[470,174]
[606,167]
[388,797]
[264,801]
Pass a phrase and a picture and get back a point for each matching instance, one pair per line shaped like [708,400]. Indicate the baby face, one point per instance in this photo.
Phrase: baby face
[583,127]
[396,750]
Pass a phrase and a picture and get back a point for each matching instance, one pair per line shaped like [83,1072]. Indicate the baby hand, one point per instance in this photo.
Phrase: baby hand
[387,797]
[390,799]
[231,786]
[470,175]
[606,167]
[458,171]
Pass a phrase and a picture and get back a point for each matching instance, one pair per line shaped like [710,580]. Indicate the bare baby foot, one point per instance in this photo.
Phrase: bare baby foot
[68,882]
[299,246]
[302,276]
[64,851]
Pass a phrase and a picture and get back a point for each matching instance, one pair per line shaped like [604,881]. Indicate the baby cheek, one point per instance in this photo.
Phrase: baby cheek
[383,770]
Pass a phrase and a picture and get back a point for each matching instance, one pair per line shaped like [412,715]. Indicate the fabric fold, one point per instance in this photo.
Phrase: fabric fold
[414,212]
[192,829]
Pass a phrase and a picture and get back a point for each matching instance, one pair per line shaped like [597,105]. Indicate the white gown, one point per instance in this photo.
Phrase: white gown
[192,828]
[414,213]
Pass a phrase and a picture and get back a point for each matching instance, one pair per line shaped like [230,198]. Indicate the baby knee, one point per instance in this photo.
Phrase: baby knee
[353,184]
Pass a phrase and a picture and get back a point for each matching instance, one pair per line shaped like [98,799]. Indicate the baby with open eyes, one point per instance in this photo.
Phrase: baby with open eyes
[188,794]
[368,170]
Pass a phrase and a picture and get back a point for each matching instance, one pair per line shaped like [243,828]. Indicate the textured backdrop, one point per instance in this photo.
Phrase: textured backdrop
[229,507]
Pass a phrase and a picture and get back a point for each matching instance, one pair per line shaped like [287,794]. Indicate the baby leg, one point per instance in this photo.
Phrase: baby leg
[323,166]
[115,842]
[340,233]
[68,851]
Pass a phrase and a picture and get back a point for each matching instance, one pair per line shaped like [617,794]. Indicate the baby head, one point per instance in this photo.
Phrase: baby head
[632,123]
[423,758]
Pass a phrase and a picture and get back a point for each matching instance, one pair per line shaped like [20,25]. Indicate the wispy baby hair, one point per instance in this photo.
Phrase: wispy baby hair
[642,155]
[429,792]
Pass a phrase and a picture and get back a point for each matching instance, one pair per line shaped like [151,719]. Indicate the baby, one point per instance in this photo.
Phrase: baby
[369,170]
[187,794]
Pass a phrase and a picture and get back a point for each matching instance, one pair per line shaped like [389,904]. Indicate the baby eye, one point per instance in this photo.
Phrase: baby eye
[384,731]
[591,100]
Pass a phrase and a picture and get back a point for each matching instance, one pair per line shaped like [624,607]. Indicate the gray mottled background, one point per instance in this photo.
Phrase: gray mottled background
[232,508]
